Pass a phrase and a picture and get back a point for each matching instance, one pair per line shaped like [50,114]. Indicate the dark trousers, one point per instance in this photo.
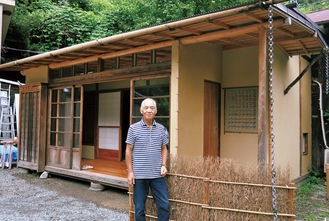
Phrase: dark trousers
[160,194]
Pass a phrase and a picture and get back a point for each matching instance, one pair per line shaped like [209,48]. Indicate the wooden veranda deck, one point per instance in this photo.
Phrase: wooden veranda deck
[112,168]
[106,172]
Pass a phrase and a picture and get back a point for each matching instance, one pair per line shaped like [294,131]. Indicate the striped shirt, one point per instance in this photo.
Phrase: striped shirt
[147,143]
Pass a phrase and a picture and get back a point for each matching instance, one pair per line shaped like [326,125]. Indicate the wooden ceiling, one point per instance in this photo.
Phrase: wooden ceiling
[231,29]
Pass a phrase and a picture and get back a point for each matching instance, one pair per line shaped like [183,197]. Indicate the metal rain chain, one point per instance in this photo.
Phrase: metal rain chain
[271,59]
[326,69]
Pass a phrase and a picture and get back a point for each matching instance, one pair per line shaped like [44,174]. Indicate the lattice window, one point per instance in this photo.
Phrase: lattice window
[159,90]
[241,106]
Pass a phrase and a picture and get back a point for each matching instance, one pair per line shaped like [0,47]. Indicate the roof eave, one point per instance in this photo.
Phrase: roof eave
[302,21]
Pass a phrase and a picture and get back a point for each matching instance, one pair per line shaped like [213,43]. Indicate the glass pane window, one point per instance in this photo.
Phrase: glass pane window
[54,96]
[163,106]
[76,140]
[79,69]
[67,71]
[53,110]
[76,109]
[64,124]
[76,125]
[55,73]
[77,94]
[64,110]
[241,109]
[157,89]
[53,124]
[65,117]
[152,87]
[52,139]
[65,95]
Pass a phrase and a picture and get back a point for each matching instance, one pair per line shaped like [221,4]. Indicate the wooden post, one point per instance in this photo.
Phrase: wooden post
[1,20]
[131,207]
[292,200]
[262,153]
[206,200]
[327,176]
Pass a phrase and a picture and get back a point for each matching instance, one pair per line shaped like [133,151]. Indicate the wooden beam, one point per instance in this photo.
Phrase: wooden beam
[117,74]
[227,33]
[111,55]
[262,106]
[108,77]
[303,73]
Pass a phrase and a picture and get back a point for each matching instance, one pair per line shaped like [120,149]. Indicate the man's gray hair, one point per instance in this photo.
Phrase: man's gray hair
[143,102]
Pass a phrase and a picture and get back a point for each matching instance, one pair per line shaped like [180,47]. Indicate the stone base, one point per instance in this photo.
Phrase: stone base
[96,187]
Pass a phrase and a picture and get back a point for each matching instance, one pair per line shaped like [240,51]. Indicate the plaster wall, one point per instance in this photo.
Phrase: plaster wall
[240,69]
[287,114]
[36,75]
[306,116]
[191,66]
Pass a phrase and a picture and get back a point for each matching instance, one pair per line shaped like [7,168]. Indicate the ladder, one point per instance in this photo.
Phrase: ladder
[7,117]
[7,124]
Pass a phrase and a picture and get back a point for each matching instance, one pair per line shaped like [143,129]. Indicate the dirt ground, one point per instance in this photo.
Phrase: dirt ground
[111,197]
[313,207]
[312,204]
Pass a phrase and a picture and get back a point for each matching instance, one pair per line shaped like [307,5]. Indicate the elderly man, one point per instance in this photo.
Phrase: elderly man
[146,155]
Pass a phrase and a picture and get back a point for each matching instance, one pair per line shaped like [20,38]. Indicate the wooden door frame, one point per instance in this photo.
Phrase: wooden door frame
[32,155]
[74,154]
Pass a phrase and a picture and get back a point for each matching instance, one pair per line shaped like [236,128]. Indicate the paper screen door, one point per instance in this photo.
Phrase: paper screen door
[109,125]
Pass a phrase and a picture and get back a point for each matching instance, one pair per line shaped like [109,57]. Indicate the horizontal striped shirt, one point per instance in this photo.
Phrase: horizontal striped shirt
[147,143]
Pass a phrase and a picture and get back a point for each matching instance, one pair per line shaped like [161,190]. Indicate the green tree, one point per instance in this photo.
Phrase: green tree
[309,6]
[43,25]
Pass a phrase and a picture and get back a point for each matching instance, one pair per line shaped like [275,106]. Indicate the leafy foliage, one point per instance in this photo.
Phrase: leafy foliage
[43,25]
[309,6]
[311,202]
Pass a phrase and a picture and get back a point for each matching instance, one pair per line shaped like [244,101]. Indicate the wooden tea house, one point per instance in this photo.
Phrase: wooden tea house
[213,76]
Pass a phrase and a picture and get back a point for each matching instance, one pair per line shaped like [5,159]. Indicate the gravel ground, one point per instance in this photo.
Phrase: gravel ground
[25,196]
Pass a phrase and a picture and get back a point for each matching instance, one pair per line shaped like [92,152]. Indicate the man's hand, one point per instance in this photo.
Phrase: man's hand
[131,179]
[163,170]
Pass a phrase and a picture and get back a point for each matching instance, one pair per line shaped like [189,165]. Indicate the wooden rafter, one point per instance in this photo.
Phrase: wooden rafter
[143,41]
[191,30]
[282,30]
[231,41]
[227,33]
[164,36]
[282,49]
[220,24]
[254,17]
[303,46]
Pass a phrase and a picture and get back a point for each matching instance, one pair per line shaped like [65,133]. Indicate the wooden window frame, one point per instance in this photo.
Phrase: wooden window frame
[138,99]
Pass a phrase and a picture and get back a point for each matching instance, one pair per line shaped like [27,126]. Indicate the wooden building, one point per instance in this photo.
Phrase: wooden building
[210,75]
